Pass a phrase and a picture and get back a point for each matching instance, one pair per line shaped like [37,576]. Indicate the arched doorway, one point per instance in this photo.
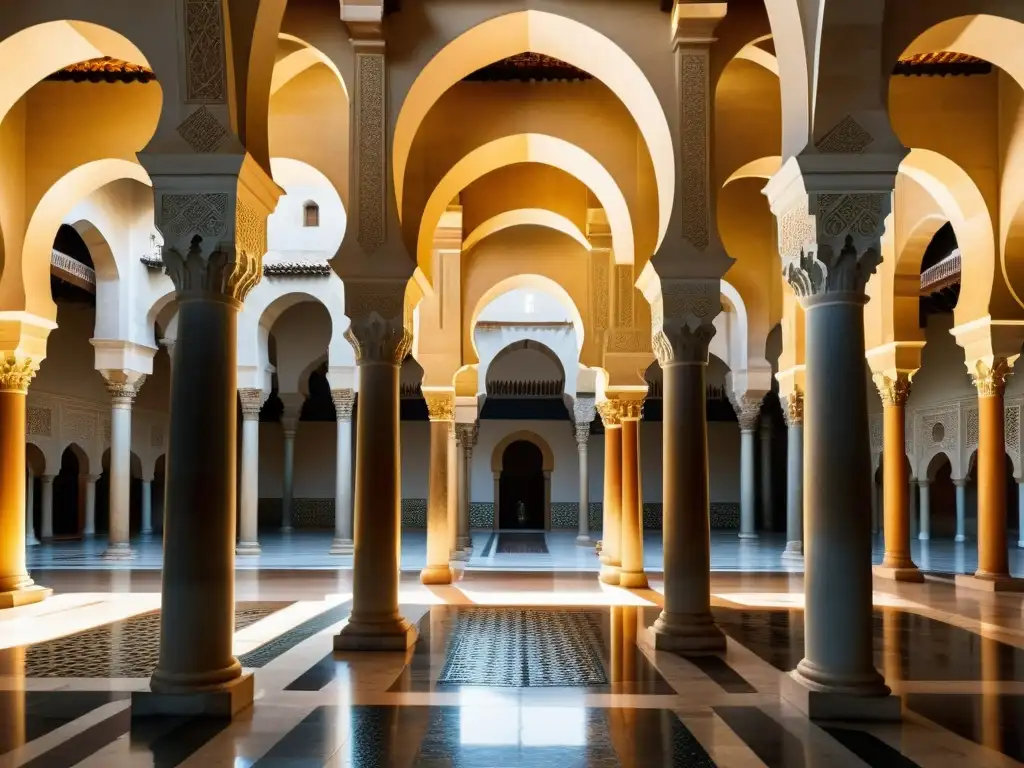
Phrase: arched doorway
[68,493]
[522,502]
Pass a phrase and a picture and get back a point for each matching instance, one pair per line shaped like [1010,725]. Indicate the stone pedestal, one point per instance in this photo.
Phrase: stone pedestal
[611,529]
[344,400]
[224,701]
[631,572]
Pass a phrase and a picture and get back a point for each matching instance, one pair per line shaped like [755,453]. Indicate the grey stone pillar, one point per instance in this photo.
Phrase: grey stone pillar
[289,426]
[252,399]
[30,501]
[547,500]
[961,509]
[453,492]
[767,490]
[1020,514]
[584,410]
[147,507]
[467,436]
[747,410]
[925,531]
[90,505]
[685,625]
[497,500]
[344,400]
[46,510]
[912,509]
[794,552]
[123,387]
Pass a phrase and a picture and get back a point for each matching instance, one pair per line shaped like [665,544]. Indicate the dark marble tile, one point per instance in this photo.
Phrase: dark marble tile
[85,744]
[266,653]
[869,748]
[29,715]
[172,740]
[317,676]
[718,669]
[992,720]
[774,745]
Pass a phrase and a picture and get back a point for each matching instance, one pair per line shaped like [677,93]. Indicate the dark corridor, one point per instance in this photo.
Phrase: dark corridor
[521,487]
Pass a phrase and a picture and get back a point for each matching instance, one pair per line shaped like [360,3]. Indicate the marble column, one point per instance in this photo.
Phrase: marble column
[582,435]
[611,533]
[837,678]
[497,500]
[289,426]
[631,572]
[30,518]
[961,509]
[993,572]
[16,587]
[794,552]
[468,434]
[344,400]
[147,507]
[123,387]
[547,499]
[441,410]
[1020,515]
[376,623]
[912,507]
[894,389]
[685,625]
[90,505]
[251,399]
[925,529]
[747,411]
[46,507]
[767,482]
[453,493]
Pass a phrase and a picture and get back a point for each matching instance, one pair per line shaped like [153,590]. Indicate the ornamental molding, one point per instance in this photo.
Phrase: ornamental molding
[631,409]
[39,421]
[251,399]
[682,344]
[748,409]
[990,378]
[894,392]
[467,435]
[379,340]
[440,405]
[609,412]
[582,434]
[624,294]
[16,373]
[584,409]
[370,145]
[693,159]
[600,267]
[202,131]
[847,137]
[935,429]
[205,76]
[794,409]
[123,386]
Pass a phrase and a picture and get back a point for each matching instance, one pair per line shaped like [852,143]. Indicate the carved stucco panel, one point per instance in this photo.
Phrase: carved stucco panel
[40,421]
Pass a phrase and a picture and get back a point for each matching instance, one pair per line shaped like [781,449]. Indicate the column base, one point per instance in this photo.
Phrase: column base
[743,535]
[24,596]
[960,538]
[584,541]
[247,549]
[794,553]
[633,579]
[609,574]
[394,635]
[436,574]
[223,701]
[984,582]
[687,634]
[902,573]
[118,552]
[459,555]
[820,703]
[342,547]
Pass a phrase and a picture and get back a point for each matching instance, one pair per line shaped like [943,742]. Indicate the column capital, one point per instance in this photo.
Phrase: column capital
[582,434]
[893,388]
[748,409]
[683,310]
[440,405]
[960,482]
[467,435]
[16,372]
[631,406]
[609,412]
[794,411]
[344,399]
[989,375]
[47,478]
[379,332]
[252,400]
[584,409]
[923,482]
[123,386]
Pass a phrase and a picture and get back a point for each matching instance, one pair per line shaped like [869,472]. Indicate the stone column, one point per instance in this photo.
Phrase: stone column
[686,625]
[584,411]
[46,508]
[547,499]
[251,399]
[497,500]
[453,493]
[993,572]
[1020,514]
[767,494]
[289,426]
[123,387]
[147,508]
[830,243]
[344,400]
[912,507]
[30,519]
[90,504]
[925,530]
[631,572]
[611,527]
[747,411]
[16,588]
[441,409]
[794,552]
[467,434]
[381,343]
[961,509]
[894,389]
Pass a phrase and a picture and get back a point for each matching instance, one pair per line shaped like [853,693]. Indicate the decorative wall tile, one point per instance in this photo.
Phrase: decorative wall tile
[414,513]
[40,421]
[564,515]
[481,514]
[725,515]
[313,513]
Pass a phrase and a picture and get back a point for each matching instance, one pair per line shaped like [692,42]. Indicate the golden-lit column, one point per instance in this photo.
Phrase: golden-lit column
[16,588]
[897,563]
[993,559]
[631,572]
[441,409]
[611,534]
[453,492]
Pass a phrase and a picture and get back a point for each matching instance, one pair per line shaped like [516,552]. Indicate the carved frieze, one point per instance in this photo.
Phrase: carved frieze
[624,294]
[202,131]
[77,424]
[203,214]
[694,155]
[40,421]
[847,137]
[370,142]
[599,266]
[205,78]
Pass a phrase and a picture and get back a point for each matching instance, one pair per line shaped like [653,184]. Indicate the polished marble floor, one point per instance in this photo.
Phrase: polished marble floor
[310,550]
[511,669]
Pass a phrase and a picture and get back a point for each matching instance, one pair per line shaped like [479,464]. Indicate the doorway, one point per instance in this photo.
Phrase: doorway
[521,487]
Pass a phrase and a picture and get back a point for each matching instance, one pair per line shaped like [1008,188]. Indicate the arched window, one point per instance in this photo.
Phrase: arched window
[311,215]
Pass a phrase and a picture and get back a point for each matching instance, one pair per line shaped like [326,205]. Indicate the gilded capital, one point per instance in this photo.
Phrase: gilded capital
[440,405]
[631,409]
[467,435]
[894,391]
[16,373]
[252,399]
[990,378]
[794,412]
[343,399]
[608,410]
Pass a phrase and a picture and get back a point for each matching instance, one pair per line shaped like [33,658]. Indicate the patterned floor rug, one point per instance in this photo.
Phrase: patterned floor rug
[525,648]
[128,648]
[522,544]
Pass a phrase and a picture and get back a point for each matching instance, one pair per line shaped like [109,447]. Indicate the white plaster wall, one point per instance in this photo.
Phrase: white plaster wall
[287,237]
[522,305]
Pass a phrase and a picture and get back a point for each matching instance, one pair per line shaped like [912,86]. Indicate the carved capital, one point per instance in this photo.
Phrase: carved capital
[123,386]
[609,412]
[631,409]
[582,434]
[682,344]
[16,373]
[894,391]
[377,339]
[440,405]
[794,412]
[990,377]
[343,399]
[252,400]
[584,409]
[747,409]
[467,435]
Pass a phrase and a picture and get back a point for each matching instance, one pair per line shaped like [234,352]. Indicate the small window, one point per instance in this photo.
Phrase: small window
[311,215]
